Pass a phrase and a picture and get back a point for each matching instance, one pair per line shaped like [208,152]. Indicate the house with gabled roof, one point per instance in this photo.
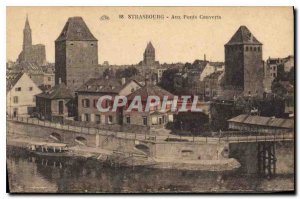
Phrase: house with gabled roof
[55,104]
[90,92]
[156,117]
[20,95]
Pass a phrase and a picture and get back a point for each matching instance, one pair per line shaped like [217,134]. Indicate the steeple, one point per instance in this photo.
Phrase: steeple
[149,54]
[27,39]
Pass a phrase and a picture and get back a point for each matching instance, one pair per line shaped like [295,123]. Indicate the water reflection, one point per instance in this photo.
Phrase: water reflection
[53,174]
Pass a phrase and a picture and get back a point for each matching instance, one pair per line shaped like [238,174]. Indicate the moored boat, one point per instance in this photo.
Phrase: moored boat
[49,149]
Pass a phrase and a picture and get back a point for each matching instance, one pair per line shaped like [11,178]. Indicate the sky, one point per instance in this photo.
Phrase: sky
[123,41]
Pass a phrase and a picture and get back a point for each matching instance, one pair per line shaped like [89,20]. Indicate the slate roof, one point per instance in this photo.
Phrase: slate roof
[150,90]
[59,91]
[263,121]
[243,36]
[76,30]
[104,85]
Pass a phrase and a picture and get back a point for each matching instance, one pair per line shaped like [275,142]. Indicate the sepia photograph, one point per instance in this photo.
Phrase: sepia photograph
[150,100]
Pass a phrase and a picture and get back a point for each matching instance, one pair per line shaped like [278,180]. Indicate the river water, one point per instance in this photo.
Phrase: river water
[28,173]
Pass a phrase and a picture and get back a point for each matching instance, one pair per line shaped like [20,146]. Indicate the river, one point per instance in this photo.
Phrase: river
[30,173]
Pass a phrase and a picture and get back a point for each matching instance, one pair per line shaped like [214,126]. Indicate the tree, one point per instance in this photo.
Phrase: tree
[127,72]
[278,89]
[167,80]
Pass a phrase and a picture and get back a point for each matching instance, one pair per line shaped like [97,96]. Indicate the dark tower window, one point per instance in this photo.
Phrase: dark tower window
[246,48]
[254,48]
[258,49]
[250,48]
[92,44]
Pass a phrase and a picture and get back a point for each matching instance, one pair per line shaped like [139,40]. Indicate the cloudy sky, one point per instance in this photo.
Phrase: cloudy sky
[122,41]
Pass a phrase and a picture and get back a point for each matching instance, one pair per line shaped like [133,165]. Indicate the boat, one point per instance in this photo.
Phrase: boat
[48,149]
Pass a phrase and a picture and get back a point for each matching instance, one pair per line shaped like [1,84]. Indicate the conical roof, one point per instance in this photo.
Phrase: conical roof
[76,30]
[243,36]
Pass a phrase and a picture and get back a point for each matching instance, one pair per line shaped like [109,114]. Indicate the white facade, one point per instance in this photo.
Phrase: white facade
[209,69]
[20,99]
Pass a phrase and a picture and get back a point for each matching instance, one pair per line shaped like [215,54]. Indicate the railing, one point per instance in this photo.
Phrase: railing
[160,138]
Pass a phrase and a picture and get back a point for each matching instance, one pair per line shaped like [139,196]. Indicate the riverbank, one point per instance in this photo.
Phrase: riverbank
[132,159]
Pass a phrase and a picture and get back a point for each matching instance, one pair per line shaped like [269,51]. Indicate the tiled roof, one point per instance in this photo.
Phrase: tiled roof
[59,91]
[76,30]
[104,85]
[12,79]
[150,90]
[243,36]
[263,121]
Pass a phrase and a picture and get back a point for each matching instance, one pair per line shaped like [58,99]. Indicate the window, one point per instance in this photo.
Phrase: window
[128,119]
[246,48]
[250,48]
[87,117]
[254,48]
[95,103]
[92,44]
[145,121]
[97,119]
[86,103]
[110,119]
[16,99]
[30,88]
[258,49]
[49,79]
[61,107]
[18,89]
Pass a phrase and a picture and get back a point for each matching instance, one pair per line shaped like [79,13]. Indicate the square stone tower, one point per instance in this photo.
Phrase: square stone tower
[76,54]
[243,63]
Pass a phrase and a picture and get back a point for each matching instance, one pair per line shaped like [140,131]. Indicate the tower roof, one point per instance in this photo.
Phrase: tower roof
[243,36]
[76,30]
[27,26]
[150,46]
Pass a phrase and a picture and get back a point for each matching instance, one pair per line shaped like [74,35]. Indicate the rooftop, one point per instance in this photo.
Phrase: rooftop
[243,36]
[76,30]
[150,90]
[59,91]
[263,121]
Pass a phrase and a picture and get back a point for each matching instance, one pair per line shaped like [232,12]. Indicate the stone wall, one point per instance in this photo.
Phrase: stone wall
[110,141]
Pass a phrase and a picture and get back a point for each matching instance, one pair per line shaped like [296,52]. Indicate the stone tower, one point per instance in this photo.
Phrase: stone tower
[27,38]
[243,63]
[149,55]
[76,54]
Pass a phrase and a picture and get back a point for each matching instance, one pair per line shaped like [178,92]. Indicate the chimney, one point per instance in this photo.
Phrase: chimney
[123,80]
[59,80]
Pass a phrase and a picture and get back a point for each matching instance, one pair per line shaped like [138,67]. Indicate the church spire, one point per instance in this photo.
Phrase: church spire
[27,39]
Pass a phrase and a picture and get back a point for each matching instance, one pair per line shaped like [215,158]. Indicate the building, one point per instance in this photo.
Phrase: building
[155,118]
[31,53]
[20,95]
[243,63]
[261,124]
[149,55]
[76,54]
[42,76]
[213,85]
[55,104]
[210,68]
[90,92]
